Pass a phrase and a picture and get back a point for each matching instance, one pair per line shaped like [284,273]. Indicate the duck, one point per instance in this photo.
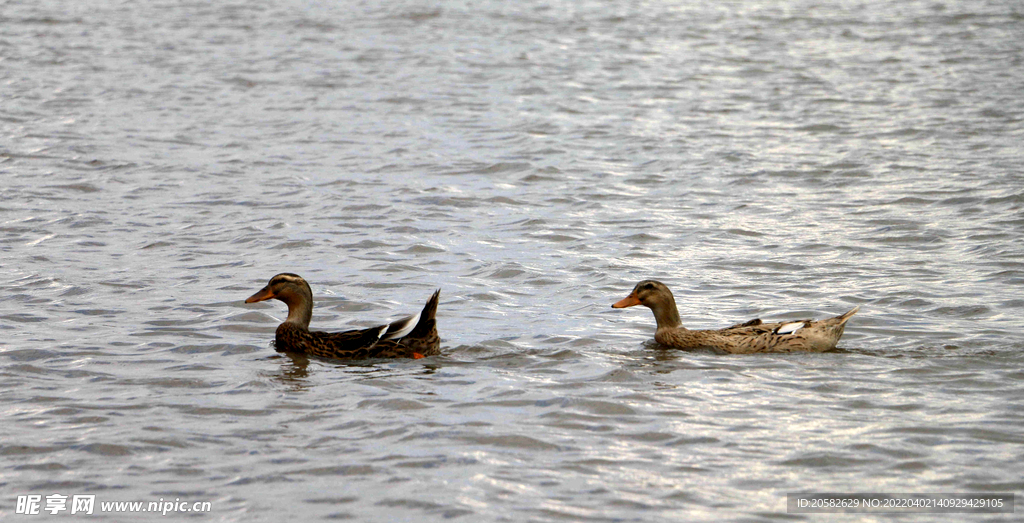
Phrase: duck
[743,338]
[411,337]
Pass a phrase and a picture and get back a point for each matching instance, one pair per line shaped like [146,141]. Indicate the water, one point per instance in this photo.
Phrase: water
[160,161]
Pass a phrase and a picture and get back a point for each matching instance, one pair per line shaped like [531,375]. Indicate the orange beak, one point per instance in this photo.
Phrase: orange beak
[263,294]
[628,301]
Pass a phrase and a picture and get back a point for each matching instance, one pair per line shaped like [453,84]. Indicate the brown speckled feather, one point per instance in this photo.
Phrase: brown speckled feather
[399,339]
[813,336]
[356,344]
[749,337]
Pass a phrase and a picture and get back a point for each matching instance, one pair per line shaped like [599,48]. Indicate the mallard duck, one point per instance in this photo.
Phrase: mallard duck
[412,337]
[751,336]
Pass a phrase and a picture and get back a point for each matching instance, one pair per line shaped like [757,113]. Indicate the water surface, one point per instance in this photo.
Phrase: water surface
[161,161]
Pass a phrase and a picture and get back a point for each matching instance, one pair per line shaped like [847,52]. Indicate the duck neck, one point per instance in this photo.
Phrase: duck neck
[666,313]
[300,307]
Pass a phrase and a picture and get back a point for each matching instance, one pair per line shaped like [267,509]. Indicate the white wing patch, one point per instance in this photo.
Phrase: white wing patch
[789,328]
[404,327]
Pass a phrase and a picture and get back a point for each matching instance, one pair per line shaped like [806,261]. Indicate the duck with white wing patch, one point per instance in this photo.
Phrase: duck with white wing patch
[412,337]
[748,337]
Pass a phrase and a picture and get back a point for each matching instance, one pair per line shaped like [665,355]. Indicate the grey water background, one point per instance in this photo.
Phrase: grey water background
[160,161]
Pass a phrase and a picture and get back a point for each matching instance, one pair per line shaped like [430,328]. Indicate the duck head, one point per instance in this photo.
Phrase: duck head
[656,296]
[293,291]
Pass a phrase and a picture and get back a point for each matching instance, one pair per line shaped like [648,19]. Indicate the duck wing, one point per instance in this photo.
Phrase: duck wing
[357,343]
[411,337]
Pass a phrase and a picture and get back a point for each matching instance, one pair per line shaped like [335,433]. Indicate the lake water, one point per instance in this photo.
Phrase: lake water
[160,161]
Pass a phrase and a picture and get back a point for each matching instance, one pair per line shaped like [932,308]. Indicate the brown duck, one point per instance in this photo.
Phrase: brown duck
[752,336]
[412,337]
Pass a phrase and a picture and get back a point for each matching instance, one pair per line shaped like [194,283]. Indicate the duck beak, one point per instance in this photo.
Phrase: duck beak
[628,301]
[263,294]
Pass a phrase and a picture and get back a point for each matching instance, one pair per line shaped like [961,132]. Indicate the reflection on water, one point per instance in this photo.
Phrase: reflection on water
[293,371]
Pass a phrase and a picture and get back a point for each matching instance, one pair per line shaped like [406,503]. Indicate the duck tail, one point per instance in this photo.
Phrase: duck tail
[415,325]
[427,326]
[842,318]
